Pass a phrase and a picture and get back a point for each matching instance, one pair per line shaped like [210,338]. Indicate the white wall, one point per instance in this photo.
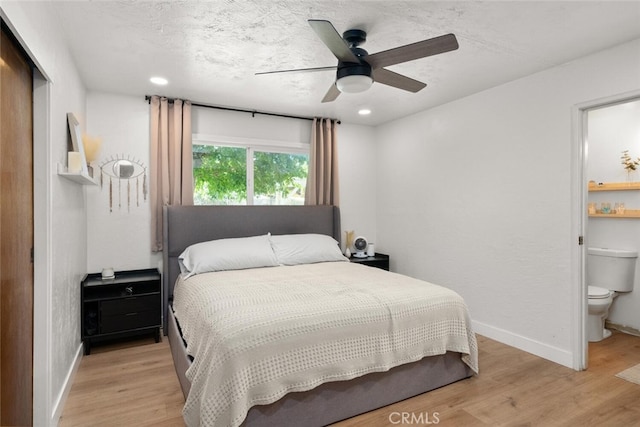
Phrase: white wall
[224,123]
[610,131]
[120,239]
[476,195]
[358,181]
[60,221]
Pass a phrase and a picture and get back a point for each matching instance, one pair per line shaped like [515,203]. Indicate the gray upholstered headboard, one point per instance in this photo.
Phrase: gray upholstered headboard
[186,225]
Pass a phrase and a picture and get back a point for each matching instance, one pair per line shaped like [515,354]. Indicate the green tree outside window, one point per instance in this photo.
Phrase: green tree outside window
[220,176]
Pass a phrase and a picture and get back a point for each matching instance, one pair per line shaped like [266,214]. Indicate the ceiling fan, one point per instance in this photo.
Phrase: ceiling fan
[357,70]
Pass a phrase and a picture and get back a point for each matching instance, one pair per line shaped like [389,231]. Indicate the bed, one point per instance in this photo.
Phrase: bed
[314,401]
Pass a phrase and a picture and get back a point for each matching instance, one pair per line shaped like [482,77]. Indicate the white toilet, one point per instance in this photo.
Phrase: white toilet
[609,271]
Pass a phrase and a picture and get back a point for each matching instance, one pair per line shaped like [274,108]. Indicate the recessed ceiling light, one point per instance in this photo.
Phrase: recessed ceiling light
[364,111]
[159,80]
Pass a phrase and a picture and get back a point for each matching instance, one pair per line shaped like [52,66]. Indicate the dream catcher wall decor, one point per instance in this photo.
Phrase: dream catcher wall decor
[124,175]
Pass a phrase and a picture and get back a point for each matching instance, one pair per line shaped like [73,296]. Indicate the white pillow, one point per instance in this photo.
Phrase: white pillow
[227,254]
[293,249]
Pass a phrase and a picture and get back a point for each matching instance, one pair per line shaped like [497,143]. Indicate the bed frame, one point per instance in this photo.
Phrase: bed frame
[186,225]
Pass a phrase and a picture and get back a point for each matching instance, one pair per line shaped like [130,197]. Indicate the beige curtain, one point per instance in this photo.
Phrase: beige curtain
[322,181]
[171,168]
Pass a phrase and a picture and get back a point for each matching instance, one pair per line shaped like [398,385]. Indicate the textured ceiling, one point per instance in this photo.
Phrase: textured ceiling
[210,50]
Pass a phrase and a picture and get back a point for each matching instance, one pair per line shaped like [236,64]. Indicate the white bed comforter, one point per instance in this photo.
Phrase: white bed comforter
[259,334]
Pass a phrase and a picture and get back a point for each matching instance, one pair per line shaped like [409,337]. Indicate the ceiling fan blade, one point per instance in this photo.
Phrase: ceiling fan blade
[332,94]
[334,41]
[409,52]
[301,70]
[384,76]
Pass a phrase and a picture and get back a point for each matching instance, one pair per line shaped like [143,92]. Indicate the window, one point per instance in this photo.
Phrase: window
[251,173]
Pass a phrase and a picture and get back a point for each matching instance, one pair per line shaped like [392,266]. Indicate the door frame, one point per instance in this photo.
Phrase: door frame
[580,149]
[44,410]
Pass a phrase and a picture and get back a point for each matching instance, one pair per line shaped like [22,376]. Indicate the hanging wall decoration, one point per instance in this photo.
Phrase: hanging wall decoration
[123,173]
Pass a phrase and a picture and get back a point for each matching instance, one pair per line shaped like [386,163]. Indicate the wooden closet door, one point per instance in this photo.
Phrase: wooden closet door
[16,235]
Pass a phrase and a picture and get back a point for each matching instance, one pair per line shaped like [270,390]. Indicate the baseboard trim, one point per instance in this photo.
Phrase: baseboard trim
[554,354]
[626,329]
[58,406]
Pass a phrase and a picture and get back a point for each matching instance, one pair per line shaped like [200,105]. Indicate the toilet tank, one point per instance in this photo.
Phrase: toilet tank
[612,269]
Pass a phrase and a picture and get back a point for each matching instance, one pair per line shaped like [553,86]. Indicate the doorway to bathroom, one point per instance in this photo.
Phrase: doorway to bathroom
[609,154]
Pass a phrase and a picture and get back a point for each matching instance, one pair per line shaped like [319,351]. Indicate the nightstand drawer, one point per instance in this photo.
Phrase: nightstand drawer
[128,321]
[130,305]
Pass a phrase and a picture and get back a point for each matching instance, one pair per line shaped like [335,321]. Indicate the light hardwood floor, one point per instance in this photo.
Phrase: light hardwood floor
[135,384]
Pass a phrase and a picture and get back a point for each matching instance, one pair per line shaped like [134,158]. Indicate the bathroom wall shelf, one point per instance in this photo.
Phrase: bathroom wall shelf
[614,186]
[75,177]
[628,213]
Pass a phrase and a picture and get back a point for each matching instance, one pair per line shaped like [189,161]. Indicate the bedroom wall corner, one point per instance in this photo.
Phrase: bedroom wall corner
[119,219]
[68,233]
[358,181]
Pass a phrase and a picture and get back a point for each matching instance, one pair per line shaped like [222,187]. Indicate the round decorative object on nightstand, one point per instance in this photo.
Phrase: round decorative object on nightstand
[360,245]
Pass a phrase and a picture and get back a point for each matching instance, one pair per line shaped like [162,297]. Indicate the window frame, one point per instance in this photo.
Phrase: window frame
[251,145]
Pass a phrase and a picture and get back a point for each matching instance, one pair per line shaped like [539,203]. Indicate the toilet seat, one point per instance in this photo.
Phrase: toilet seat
[596,292]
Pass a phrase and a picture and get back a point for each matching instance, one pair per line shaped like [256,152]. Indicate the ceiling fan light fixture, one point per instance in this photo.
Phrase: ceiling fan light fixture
[354,83]
[355,70]
[353,78]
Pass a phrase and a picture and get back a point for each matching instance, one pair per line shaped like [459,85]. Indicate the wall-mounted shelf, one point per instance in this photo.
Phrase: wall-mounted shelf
[614,186]
[628,213]
[75,177]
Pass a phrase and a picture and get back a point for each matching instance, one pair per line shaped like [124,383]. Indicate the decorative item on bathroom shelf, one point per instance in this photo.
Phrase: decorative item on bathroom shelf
[121,171]
[349,235]
[619,209]
[91,149]
[630,165]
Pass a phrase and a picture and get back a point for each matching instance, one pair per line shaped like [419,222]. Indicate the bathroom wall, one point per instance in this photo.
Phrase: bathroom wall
[610,131]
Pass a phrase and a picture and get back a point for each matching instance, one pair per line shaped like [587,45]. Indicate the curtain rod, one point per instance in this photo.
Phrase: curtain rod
[240,110]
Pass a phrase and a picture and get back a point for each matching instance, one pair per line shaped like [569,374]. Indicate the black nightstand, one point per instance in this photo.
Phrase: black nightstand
[129,304]
[378,260]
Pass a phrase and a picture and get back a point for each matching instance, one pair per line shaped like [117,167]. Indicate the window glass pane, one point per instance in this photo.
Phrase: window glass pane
[279,178]
[220,175]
